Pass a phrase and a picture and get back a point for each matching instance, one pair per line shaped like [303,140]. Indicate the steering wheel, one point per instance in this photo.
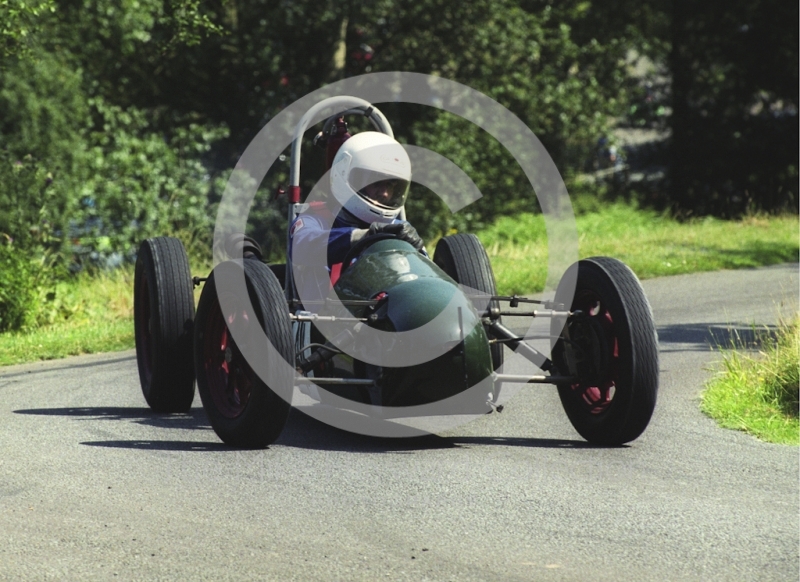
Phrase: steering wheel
[362,245]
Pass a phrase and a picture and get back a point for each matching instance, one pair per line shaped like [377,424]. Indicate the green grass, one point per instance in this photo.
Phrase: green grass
[94,314]
[652,245]
[66,339]
[759,393]
[88,315]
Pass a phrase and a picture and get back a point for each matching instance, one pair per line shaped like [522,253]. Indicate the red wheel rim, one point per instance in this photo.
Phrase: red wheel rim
[230,378]
[597,396]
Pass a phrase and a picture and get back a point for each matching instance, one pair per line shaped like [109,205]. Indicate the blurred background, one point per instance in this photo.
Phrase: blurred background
[122,119]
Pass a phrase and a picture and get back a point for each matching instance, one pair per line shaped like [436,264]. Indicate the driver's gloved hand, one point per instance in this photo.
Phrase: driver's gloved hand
[402,230]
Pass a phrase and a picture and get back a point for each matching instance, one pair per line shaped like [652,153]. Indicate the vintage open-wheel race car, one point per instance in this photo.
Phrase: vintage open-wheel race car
[604,357]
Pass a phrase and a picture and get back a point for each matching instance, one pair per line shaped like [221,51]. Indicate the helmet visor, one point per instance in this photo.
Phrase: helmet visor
[382,189]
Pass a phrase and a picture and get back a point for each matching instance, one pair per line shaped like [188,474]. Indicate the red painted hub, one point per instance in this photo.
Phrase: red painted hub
[598,395]
[230,377]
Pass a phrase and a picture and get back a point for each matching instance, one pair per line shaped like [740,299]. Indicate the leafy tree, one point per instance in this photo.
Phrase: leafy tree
[42,112]
[19,20]
[542,60]
[546,62]
[88,168]
[142,183]
[735,99]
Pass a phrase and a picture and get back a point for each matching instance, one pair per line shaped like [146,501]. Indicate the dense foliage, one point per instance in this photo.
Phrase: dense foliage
[121,119]
[734,68]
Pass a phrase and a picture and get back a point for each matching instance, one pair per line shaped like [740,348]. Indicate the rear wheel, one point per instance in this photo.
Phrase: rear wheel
[464,259]
[612,346]
[242,408]
[163,311]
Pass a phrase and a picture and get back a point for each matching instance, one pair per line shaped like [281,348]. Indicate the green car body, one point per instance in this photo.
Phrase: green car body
[417,292]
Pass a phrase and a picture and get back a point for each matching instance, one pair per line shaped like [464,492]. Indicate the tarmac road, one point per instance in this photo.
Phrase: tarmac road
[95,486]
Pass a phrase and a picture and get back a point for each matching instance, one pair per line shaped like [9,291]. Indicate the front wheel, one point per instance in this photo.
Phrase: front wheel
[610,343]
[464,259]
[234,328]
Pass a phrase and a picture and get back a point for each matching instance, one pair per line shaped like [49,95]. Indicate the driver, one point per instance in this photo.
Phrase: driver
[369,178]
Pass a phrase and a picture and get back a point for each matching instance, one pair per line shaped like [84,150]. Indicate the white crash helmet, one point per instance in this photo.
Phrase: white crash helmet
[366,159]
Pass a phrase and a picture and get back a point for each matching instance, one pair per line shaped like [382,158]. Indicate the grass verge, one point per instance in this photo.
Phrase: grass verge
[66,339]
[88,314]
[94,314]
[759,393]
[651,244]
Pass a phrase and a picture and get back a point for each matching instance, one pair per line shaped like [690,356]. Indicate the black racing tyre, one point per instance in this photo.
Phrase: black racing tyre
[163,311]
[464,259]
[243,409]
[614,349]
[279,269]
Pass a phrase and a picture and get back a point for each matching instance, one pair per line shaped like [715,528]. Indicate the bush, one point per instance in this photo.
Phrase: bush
[33,207]
[85,179]
[19,288]
[142,183]
[42,112]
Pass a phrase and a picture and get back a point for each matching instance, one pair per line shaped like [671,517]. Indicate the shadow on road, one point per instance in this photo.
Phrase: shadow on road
[301,431]
[304,432]
[195,419]
[706,336]
[161,445]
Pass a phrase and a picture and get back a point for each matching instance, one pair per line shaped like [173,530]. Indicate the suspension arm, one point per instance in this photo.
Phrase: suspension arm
[511,339]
